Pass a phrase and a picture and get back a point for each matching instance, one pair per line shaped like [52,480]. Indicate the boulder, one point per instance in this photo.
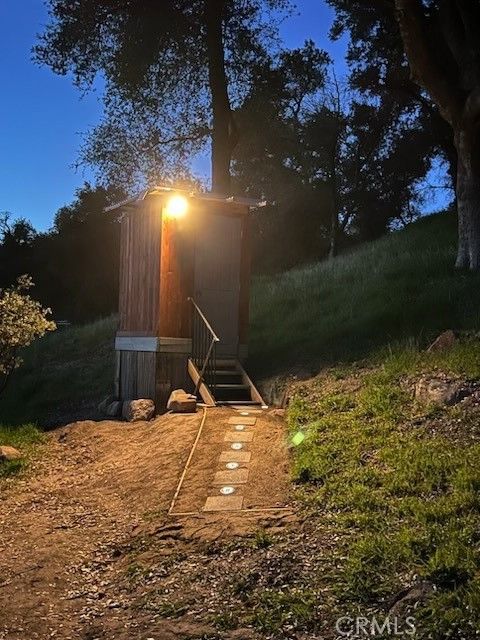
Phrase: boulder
[182,402]
[438,391]
[9,453]
[114,409]
[444,341]
[138,410]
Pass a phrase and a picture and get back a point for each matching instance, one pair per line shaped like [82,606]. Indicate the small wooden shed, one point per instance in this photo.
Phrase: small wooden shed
[184,297]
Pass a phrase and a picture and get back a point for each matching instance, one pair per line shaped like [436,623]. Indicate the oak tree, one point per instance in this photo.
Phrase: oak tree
[442,44]
[173,73]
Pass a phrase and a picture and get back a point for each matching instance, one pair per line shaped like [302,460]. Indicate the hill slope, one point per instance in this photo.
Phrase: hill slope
[400,287]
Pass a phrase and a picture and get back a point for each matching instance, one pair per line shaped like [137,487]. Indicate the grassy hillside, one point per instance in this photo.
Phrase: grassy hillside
[64,376]
[403,286]
[394,484]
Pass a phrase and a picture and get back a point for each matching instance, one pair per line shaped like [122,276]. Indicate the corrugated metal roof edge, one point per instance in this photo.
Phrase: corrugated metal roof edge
[214,197]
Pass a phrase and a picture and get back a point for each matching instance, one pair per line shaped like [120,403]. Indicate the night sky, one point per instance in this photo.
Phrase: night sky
[43,116]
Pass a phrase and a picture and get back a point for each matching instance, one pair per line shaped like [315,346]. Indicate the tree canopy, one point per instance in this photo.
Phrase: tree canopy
[174,71]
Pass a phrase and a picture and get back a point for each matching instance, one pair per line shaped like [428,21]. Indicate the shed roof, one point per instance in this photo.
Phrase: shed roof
[208,196]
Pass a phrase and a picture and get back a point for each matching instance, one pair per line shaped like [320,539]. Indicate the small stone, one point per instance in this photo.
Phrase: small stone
[9,453]
[438,391]
[114,409]
[138,410]
[182,402]
[444,341]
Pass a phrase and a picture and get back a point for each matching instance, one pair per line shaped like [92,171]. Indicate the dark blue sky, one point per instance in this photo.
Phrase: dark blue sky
[42,115]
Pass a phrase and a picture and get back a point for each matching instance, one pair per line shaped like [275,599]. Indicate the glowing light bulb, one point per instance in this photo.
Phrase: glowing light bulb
[176,207]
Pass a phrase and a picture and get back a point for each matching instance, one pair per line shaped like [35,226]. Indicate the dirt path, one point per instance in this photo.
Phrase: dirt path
[98,498]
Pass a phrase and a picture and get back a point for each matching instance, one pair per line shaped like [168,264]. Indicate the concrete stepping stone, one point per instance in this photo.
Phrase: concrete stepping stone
[233,476]
[223,503]
[235,456]
[246,420]
[241,427]
[238,436]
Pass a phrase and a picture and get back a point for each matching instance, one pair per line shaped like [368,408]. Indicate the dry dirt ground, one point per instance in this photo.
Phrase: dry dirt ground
[88,550]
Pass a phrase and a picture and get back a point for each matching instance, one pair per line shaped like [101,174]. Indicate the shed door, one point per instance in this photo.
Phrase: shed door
[217,277]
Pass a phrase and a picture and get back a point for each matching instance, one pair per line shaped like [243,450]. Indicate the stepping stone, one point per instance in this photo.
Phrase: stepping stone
[241,427]
[223,503]
[234,476]
[247,420]
[235,456]
[238,436]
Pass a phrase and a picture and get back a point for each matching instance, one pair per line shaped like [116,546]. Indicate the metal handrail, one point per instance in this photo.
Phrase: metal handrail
[202,315]
[203,347]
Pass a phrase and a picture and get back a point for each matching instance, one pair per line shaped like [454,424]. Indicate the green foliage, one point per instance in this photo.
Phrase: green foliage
[22,320]
[24,438]
[273,610]
[155,59]
[75,264]
[65,374]
[403,496]
[262,539]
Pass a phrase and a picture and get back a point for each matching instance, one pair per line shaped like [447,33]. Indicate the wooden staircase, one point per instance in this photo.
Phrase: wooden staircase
[227,384]
[217,380]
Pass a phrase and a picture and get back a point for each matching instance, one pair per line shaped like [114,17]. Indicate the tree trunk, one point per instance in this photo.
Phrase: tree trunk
[224,135]
[468,205]
[333,250]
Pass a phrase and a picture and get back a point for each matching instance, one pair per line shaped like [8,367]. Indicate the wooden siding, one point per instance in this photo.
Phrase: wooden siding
[140,268]
[137,375]
[176,277]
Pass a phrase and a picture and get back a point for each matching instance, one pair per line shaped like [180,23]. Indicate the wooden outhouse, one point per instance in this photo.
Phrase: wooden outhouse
[184,297]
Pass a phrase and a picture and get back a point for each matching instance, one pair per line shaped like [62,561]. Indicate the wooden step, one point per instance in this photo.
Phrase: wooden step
[246,403]
[233,387]
[229,384]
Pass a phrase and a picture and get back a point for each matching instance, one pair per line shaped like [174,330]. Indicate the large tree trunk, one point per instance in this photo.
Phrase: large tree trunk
[224,135]
[468,205]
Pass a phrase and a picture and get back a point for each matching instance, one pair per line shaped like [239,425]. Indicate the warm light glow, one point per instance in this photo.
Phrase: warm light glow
[176,206]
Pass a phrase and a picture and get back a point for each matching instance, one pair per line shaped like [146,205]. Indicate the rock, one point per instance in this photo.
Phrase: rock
[104,404]
[182,402]
[114,409]
[138,410]
[438,391]
[409,598]
[9,453]
[444,341]
[279,413]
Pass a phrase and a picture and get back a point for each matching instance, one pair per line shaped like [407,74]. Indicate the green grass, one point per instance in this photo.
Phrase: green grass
[64,373]
[24,438]
[403,494]
[403,285]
